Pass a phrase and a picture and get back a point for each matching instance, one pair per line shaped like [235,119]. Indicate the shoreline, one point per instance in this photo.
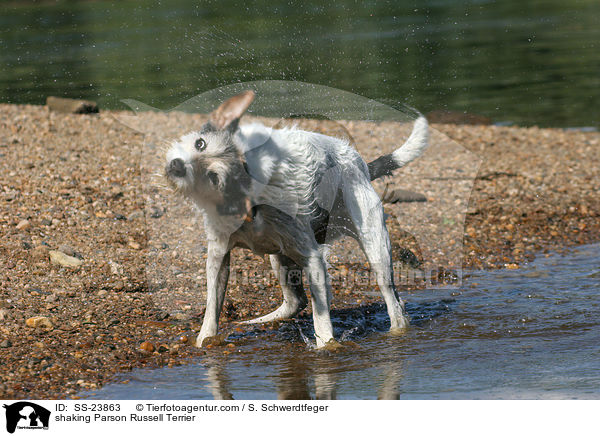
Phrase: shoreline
[74,184]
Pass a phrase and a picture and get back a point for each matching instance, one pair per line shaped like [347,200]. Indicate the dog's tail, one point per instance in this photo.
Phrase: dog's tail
[410,150]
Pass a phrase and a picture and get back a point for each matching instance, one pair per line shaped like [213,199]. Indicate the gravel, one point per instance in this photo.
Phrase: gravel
[127,288]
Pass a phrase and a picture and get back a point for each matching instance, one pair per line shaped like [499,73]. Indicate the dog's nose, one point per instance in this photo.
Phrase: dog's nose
[176,168]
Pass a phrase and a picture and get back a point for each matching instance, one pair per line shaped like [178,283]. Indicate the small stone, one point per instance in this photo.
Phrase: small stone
[78,355]
[135,215]
[70,251]
[134,245]
[24,225]
[214,341]
[39,321]
[162,348]
[3,314]
[115,268]
[46,222]
[5,344]
[72,106]
[62,259]
[52,298]
[102,292]
[156,212]
[147,347]
[402,196]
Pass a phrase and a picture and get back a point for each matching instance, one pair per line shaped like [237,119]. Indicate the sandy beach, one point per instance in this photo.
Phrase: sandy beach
[101,267]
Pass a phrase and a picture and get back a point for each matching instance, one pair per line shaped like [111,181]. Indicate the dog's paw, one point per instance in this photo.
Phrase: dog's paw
[332,345]
[210,341]
[396,331]
[401,326]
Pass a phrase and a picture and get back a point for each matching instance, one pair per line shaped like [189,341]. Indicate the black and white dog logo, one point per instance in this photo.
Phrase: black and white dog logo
[26,415]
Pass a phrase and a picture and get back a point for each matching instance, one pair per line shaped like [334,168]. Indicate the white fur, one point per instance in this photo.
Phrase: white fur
[414,146]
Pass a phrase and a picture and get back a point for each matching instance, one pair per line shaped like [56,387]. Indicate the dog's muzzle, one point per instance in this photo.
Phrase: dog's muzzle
[176,168]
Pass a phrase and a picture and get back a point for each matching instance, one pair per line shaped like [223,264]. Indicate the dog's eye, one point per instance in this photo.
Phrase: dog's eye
[200,144]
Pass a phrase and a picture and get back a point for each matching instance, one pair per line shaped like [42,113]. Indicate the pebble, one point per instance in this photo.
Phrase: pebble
[115,268]
[39,321]
[52,298]
[156,212]
[24,225]
[135,215]
[69,251]
[3,314]
[62,259]
[5,344]
[147,347]
[71,106]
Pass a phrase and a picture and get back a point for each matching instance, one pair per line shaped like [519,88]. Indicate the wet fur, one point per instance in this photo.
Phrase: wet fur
[286,193]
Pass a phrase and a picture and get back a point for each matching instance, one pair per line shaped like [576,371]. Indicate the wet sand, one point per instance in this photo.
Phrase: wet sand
[82,185]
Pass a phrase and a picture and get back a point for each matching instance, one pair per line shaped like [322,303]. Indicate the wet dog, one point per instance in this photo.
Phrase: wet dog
[285,192]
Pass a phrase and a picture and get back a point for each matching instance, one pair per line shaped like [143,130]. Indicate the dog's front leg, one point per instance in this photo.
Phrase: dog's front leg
[217,274]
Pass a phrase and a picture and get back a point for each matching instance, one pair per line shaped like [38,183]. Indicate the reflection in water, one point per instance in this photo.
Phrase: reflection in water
[296,376]
[218,382]
[515,334]
[390,389]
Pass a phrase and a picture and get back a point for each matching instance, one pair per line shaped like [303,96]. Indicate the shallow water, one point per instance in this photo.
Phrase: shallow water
[512,334]
[533,62]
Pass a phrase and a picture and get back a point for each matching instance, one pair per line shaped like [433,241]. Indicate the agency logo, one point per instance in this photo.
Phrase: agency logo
[26,415]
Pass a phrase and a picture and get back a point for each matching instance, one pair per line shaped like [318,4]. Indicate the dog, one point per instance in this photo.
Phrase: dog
[285,192]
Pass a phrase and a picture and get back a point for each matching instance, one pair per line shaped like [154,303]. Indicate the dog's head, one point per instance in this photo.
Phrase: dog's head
[208,167]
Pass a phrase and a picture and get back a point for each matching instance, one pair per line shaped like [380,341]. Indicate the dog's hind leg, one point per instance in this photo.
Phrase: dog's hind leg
[320,294]
[289,275]
[365,211]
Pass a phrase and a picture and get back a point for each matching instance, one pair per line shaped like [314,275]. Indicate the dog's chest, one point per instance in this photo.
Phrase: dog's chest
[257,238]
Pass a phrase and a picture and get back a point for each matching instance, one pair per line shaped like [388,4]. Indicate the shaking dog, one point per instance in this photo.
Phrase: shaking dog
[286,192]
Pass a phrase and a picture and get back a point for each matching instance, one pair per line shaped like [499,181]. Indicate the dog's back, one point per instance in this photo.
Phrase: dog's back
[296,162]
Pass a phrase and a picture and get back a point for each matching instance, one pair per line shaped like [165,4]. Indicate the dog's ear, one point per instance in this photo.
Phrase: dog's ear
[227,116]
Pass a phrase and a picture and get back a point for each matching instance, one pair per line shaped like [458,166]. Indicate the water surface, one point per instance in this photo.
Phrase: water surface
[532,333]
[529,62]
